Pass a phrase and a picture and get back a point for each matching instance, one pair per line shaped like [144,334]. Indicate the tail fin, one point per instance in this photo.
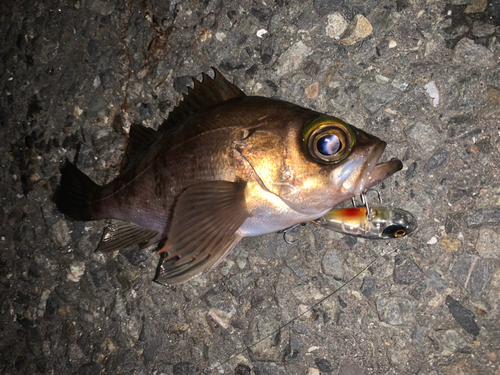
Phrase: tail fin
[74,192]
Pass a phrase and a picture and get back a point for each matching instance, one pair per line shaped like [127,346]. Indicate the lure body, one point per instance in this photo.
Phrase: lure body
[383,222]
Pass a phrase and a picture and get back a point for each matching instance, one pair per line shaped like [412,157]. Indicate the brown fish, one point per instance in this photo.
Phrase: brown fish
[224,166]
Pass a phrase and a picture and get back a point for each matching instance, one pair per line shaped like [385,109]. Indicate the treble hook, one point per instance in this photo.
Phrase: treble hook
[364,201]
[285,232]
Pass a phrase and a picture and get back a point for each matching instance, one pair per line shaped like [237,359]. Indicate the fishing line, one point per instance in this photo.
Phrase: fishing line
[218,365]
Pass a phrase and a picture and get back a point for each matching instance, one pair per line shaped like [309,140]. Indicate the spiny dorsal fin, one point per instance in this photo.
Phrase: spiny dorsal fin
[205,94]
[139,139]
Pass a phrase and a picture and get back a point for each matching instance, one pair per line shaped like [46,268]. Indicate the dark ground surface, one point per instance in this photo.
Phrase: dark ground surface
[76,74]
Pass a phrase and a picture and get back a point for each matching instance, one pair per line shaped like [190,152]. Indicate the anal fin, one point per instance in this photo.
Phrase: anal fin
[206,219]
[123,234]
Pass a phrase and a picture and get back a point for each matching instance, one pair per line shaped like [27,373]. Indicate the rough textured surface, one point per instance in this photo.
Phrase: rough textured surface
[76,74]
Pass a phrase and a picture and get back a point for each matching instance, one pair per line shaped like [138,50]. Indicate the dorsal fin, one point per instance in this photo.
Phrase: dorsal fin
[205,94]
[139,139]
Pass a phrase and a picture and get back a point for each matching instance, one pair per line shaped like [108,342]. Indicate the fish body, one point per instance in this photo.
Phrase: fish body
[383,222]
[224,166]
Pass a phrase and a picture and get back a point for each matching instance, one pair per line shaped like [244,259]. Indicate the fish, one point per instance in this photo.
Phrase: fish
[383,222]
[221,167]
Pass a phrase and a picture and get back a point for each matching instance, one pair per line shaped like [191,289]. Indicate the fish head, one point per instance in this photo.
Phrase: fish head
[318,161]
[335,161]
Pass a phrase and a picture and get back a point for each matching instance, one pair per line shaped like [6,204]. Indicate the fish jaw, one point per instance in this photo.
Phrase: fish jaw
[362,171]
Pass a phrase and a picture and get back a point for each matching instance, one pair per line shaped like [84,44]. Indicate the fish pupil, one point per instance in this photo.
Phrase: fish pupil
[329,144]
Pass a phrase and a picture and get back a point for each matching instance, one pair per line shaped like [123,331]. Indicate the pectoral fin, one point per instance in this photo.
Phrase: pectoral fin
[203,230]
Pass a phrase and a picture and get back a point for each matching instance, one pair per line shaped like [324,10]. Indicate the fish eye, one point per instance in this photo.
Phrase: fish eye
[328,139]
[394,231]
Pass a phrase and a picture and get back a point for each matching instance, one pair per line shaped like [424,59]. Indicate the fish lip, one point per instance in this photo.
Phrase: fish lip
[374,172]
[381,171]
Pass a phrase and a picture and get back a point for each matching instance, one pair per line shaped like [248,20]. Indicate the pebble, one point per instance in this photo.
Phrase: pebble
[434,279]
[406,271]
[472,272]
[304,311]
[102,7]
[260,33]
[450,245]
[395,311]
[418,334]
[292,352]
[481,29]
[392,44]
[476,6]
[461,125]
[424,134]
[98,273]
[351,368]
[241,369]
[221,316]
[358,29]
[332,264]
[488,196]
[463,367]
[52,304]
[474,55]
[324,365]
[451,340]
[239,282]
[399,84]
[97,103]
[59,233]
[436,160]
[336,25]
[306,293]
[312,90]
[135,256]
[418,290]
[432,241]
[292,58]
[93,47]
[270,368]
[368,286]
[487,243]
[185,368]
[463,316]
[491,356]
[77,270]
[482,217]
[433,92]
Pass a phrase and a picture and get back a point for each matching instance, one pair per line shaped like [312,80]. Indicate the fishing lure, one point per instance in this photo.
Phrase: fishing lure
[369,222]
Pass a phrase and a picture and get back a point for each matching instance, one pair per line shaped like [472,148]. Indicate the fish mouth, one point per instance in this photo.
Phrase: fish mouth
[374,172]
[383,171]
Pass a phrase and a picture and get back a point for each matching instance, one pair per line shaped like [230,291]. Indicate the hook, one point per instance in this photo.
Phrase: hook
[285,232]
[364,200]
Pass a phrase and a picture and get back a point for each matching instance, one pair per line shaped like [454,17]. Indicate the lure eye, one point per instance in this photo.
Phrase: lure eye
[329,140]
[399,233]
[394,231]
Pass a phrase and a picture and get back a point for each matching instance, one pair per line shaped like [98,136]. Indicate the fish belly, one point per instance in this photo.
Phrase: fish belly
[269,213]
